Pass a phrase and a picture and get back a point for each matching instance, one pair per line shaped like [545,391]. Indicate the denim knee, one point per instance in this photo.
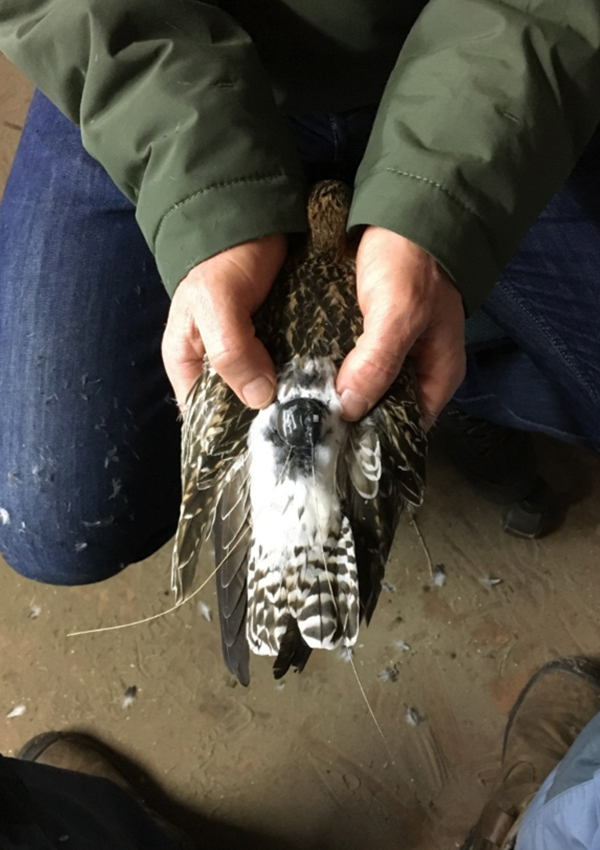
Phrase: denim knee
[51,542]
[89,439]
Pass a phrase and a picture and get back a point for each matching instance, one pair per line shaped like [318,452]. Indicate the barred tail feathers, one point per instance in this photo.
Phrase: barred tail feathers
[317,585]
[326,602]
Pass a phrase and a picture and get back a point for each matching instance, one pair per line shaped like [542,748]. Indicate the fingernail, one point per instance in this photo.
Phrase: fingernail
[259,392]
[354,406]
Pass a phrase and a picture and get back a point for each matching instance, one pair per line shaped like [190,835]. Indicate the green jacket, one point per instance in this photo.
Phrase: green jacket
[485,106]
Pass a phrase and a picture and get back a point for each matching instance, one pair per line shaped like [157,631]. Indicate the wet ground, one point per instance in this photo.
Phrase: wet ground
[302,762]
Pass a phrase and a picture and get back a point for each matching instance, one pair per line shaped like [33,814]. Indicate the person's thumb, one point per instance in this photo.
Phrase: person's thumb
[239,357]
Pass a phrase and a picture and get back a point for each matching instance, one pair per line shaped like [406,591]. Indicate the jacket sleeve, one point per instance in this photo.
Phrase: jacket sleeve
[489,107]
[172,100]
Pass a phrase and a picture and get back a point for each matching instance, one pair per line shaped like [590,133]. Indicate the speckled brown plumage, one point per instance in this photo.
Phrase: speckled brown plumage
[311,312]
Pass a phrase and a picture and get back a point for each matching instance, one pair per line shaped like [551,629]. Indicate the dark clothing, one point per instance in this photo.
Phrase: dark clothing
[43,807]
[547,303]
[89,446]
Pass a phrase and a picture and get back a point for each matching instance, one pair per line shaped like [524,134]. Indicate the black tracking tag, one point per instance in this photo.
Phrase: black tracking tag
[300,422]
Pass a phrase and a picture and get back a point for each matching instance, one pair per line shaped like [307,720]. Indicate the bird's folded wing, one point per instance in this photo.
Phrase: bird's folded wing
[232,537]
[390,443]
[213,440]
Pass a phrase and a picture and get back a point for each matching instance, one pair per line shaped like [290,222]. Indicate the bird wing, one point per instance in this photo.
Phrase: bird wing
[382,468]
[232,542]
[213,449]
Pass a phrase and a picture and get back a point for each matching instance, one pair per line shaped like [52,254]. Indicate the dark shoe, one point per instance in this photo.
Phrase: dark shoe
[546,719]
[500,464]
[533,516]
[83,753]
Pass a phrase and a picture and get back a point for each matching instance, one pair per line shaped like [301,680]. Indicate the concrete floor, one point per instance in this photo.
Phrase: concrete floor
[304,764]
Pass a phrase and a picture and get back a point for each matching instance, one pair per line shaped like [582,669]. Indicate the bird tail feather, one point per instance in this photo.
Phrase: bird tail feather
[317,586]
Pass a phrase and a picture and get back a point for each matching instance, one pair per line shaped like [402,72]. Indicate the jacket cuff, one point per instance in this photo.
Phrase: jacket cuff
[431,216]
[218,217]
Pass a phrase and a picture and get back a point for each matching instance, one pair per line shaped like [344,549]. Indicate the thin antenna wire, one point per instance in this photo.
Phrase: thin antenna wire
[321,543]
[368,704]
[413,522]
[279,479]
[284,468]
[169,610]
[183,601]
[355,671]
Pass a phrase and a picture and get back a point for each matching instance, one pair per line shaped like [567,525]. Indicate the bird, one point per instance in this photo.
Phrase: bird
[301,505]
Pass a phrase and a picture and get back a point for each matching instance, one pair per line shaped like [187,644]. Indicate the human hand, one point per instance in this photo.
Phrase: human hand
[410,306]
[211,313]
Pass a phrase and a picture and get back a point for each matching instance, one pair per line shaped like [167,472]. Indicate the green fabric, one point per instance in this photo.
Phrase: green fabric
[485,108]
[488,109]
[173,101]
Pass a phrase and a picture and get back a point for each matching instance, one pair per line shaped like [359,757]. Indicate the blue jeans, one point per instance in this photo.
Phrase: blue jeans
[546,377]
[89,437]
[565,813]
